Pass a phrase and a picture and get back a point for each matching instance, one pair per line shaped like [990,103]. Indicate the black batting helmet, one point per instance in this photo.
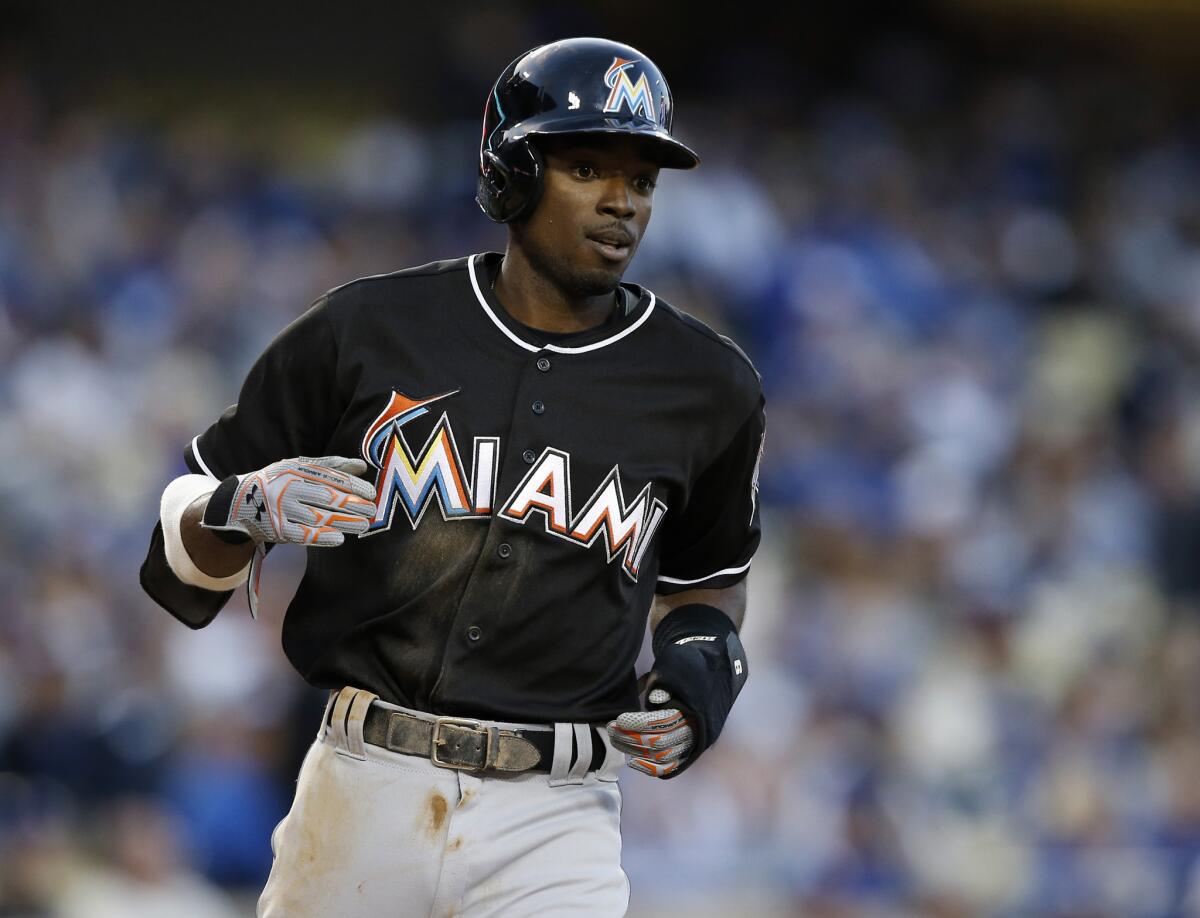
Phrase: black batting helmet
[574,86]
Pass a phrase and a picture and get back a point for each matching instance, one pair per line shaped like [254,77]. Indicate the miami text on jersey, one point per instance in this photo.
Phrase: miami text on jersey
[413,480]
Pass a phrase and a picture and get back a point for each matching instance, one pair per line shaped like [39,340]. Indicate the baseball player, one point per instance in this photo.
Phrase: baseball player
[503,466]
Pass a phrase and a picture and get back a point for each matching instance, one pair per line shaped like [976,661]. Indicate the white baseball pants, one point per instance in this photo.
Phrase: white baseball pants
[374,833]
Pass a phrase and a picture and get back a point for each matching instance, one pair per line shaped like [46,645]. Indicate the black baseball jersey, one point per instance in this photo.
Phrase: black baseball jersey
[534,489]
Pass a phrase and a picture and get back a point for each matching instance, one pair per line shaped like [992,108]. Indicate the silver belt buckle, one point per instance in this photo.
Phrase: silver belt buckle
[490,736]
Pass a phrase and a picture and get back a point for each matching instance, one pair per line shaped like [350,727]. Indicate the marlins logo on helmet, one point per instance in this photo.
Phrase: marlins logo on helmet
[626,91]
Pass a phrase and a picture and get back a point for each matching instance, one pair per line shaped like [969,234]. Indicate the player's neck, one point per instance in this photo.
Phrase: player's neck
[534,300]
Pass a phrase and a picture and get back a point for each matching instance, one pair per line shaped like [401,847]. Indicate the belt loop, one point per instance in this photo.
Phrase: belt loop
[561,763]
[354,724]
[613,757]
[583,753]
[325,716]
[341,707]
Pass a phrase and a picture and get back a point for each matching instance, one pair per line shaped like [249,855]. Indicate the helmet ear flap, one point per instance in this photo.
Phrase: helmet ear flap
[494,170]
[510,185]
[494,180]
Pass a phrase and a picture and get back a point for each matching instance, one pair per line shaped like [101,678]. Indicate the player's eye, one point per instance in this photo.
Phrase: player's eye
[583,170]
[644,184]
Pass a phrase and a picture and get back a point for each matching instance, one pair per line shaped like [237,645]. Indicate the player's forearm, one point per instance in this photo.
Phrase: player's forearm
[212,555]
[699,669]
[731,601]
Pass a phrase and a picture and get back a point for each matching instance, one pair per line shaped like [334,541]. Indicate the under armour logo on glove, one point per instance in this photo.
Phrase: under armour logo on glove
[260,507]
[308,501]
[314,502]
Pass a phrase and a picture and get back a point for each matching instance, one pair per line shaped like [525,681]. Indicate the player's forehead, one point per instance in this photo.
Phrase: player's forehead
[612,148]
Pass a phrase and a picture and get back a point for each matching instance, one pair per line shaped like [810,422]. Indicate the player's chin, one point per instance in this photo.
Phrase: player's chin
[600,274]
[590,281]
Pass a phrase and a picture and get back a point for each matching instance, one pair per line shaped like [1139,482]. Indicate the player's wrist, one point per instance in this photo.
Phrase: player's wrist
[218,515]
[700,661]
[195,559]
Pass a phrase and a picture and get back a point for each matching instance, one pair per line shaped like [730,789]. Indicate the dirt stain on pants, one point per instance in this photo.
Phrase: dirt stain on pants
[436,810]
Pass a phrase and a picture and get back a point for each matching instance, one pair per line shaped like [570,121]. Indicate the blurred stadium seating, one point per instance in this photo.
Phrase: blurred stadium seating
[971,281]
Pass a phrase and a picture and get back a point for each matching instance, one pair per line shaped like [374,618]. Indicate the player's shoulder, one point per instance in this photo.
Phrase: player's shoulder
[699,344]
[414,284]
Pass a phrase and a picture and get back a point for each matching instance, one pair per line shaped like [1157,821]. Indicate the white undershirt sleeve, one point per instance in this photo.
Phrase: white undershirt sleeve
[177,497]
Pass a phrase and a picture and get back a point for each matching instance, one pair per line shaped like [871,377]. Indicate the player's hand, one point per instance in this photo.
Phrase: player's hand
[305,501]
[659,740]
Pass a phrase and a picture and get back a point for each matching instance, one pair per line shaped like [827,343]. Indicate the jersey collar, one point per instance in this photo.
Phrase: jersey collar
[511,330]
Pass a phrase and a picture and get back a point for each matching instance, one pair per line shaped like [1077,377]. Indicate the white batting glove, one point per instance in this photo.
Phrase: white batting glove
[314,502]
[658,740]
[306,501]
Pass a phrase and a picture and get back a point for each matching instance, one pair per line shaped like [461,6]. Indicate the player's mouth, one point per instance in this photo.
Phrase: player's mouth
[613,244]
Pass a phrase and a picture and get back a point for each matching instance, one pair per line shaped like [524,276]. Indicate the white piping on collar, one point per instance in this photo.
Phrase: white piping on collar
[520,342]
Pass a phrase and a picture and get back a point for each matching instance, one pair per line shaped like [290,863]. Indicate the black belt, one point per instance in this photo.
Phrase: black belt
[469,745]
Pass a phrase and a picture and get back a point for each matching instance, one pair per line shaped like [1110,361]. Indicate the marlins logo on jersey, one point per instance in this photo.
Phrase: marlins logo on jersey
[415,479]
[624,91]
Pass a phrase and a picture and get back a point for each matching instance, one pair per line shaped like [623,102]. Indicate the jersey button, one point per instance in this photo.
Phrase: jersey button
[538,407]
[529,455]
[504,550]
[543,364]
[474,633]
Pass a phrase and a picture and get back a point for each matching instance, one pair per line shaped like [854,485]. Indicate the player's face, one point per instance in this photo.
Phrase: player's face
[594,208]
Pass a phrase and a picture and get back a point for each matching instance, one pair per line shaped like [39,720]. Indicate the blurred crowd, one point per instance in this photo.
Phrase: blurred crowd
[975,623]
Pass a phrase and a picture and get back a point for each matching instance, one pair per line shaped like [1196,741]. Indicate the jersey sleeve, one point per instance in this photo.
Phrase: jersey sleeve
[192,605]
[288,406]
[710,544]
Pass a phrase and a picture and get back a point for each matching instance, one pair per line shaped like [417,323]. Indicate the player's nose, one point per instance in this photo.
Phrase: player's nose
[616,200]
